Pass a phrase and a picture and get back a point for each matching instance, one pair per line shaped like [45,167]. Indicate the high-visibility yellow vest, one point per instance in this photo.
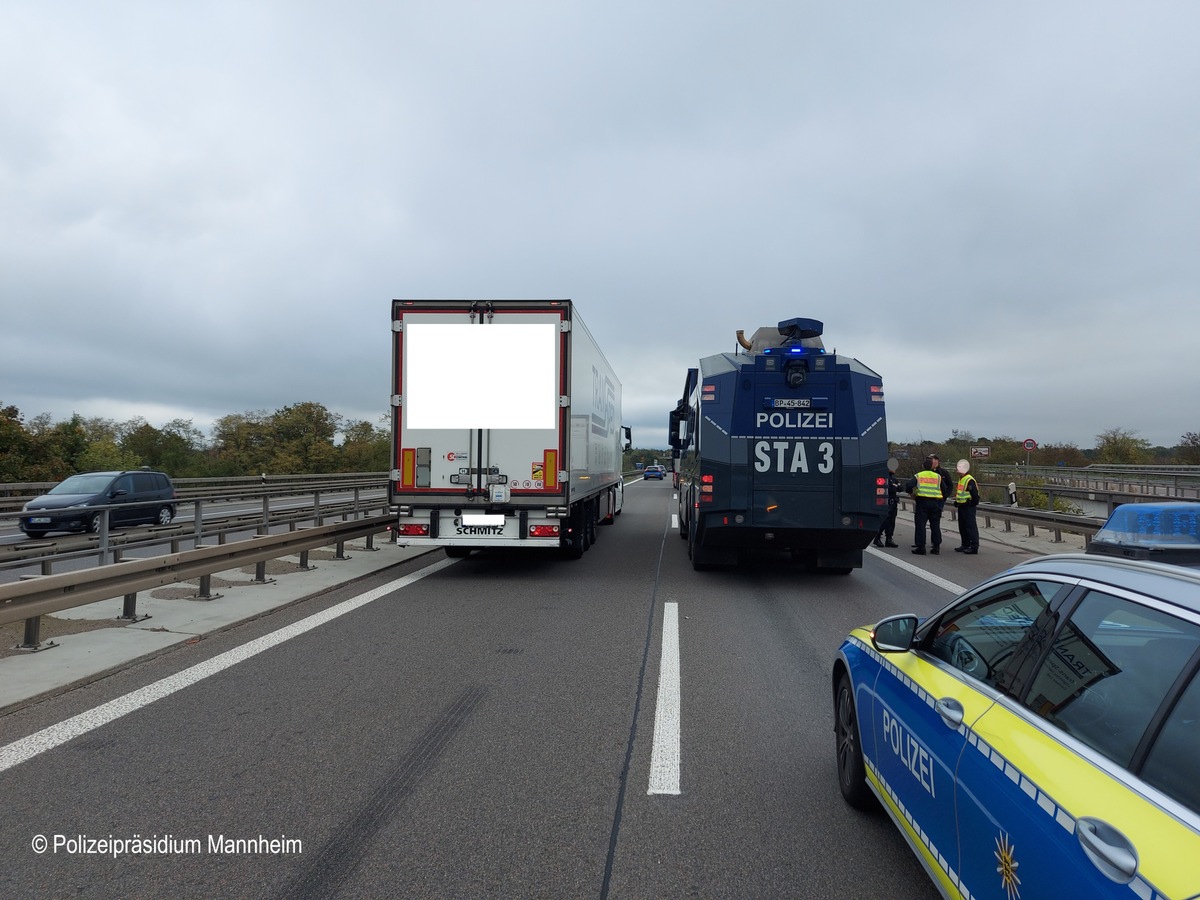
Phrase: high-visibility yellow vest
[929,484]
[964,492]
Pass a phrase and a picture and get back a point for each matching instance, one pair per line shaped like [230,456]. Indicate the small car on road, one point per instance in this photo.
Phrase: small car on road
[139,496]
[1040,735]
[658,472]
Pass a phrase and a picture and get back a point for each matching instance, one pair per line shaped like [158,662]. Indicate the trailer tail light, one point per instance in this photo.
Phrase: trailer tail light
[706,488]
[413,530]
[543,531]
[877,393]
[881,492]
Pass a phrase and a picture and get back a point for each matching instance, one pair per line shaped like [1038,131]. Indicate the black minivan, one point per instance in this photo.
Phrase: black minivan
[142,495]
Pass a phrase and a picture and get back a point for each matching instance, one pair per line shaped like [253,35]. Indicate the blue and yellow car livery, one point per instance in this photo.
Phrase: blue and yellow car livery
[1018,739]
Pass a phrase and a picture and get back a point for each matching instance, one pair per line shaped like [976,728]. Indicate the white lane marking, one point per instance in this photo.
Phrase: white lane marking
[52,736]
[918,571]
[675,521]
[664,757]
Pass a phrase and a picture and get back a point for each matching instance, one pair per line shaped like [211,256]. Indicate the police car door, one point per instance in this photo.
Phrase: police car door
[933,697]
[1046,806]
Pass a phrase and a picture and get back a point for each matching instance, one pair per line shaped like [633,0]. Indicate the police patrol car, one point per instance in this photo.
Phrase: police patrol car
[1038,737]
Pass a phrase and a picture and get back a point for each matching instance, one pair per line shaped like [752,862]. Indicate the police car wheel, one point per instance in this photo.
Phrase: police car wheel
[852,776]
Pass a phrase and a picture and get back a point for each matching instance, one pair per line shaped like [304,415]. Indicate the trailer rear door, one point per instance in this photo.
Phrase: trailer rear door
[477,394]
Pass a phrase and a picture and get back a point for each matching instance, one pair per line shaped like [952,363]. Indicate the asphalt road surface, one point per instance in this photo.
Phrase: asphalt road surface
[479,728]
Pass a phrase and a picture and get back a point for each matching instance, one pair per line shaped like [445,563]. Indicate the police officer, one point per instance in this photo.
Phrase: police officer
[928,491]
[888,528]
[966,498]
[947,481]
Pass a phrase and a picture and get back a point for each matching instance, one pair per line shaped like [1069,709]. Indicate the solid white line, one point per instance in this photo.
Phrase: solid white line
[664,757]
[48,738]
[675,521]
[918,571]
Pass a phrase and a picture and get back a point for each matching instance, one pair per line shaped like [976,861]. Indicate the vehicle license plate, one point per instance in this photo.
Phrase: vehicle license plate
[41,520]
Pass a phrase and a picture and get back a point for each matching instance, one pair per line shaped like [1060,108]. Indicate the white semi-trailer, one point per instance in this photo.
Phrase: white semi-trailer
[506,426]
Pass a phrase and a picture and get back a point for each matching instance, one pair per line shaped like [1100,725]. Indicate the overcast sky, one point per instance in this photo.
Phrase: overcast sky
[206,208]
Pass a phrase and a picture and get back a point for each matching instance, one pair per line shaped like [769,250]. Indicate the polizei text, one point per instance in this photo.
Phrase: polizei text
[794,420]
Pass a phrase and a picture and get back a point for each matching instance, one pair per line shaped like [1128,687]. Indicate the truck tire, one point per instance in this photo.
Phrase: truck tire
[571,543]
[593,521]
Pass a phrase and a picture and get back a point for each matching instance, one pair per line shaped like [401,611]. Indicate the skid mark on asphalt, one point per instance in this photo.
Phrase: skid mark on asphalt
[346,849]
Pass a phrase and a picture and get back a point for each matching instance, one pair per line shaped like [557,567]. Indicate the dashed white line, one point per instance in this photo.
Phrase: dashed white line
[48,738]
[664,756]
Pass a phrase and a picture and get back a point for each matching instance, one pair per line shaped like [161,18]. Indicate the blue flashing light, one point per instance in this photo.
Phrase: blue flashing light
[795,351]
[1153,524]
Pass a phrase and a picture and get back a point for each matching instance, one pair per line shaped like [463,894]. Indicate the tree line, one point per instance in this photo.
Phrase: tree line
[305,438]
[308,438]
[1116,446]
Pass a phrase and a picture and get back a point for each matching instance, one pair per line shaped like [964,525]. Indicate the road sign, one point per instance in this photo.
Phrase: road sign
[1030,444]
[981,452]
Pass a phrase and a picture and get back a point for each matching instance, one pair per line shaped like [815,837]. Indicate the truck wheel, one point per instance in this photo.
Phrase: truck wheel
[593,516]
[612,502]
[571,544]
[683,524]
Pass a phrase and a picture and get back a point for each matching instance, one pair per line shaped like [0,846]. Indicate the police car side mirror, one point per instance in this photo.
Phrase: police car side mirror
[894,634]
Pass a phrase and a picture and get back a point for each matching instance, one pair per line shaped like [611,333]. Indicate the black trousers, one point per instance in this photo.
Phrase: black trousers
[928,511]
[888,528]
[968,528]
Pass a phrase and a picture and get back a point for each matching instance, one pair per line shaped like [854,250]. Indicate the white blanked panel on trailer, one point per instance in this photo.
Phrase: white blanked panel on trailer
[505,426]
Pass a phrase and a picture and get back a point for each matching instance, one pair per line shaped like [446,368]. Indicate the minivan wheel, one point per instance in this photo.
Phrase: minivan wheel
[93,524]
[165,515]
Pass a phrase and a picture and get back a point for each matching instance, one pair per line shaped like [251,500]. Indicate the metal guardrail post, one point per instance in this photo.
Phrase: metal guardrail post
[205,590]
[32,640]
[129,609]
[260,567]
[103,558]
[198,525]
